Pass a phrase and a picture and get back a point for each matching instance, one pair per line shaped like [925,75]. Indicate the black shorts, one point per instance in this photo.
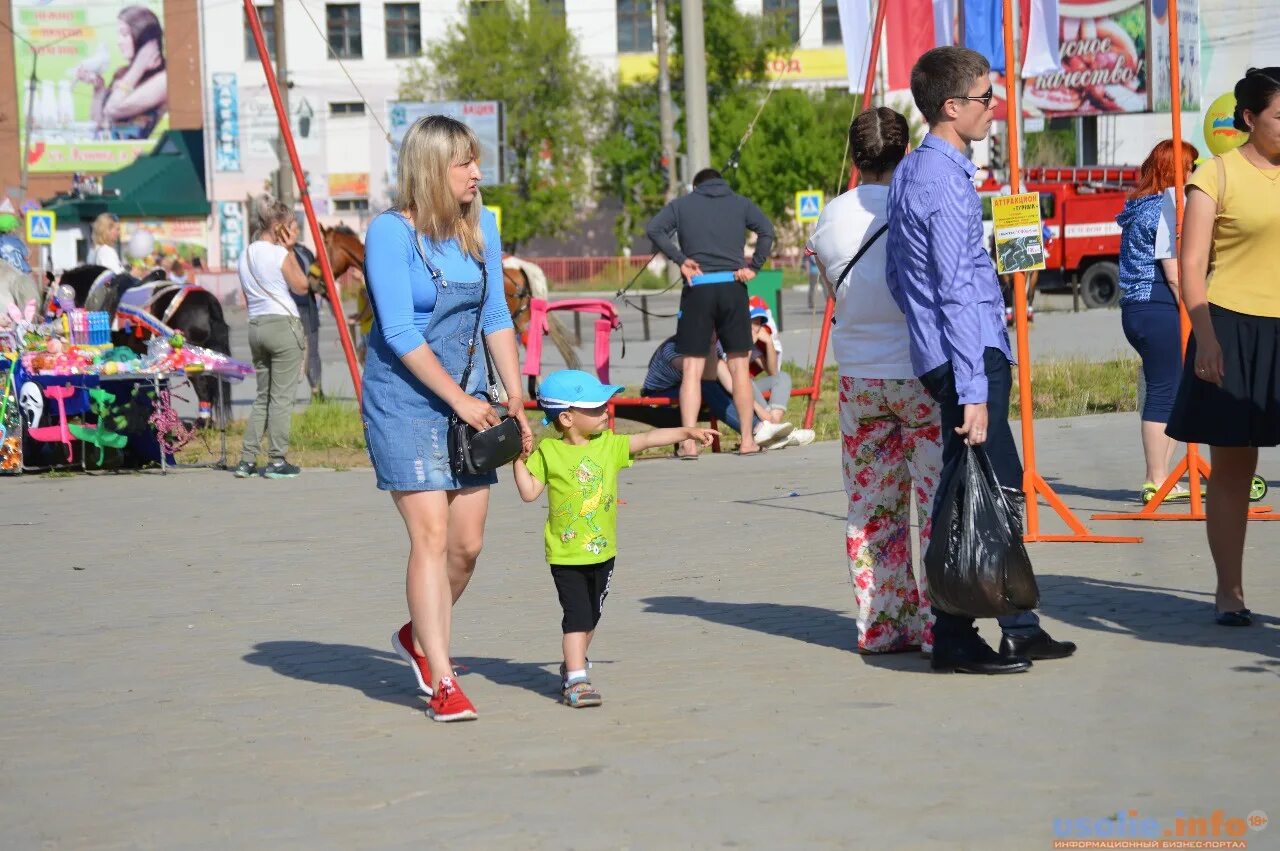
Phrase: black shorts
[713,308]
[582,589]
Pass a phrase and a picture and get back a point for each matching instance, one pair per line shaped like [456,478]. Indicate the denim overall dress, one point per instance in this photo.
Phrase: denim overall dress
[405,424]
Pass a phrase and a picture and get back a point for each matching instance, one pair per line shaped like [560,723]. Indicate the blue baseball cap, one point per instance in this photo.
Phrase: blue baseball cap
[573,388]
[760,313]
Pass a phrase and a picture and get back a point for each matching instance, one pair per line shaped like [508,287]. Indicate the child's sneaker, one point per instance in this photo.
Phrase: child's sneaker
[402,643]
[450,704]
[580,693]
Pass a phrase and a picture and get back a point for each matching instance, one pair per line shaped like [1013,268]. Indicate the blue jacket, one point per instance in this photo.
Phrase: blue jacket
[1139,269]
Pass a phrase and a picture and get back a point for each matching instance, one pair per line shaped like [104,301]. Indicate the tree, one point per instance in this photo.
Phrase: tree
[630,152]
[525,57]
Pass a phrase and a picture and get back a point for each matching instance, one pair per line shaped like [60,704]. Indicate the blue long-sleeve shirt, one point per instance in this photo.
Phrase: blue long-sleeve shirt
[401,288]
[938,269]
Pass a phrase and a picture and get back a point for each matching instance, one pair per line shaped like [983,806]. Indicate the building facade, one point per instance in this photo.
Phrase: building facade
[339,127]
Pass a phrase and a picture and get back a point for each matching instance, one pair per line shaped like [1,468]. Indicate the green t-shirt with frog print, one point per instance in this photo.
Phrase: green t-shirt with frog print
[582,496]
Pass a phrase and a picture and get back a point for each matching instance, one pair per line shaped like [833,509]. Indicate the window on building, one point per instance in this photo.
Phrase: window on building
[554,7]
[343,21]
[346,107]
[635,26]
[830,22]
[785,15]
[266,14]
[404,30]
[351,205]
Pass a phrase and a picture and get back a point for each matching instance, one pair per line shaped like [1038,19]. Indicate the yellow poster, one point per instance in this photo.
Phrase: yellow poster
[1019,232]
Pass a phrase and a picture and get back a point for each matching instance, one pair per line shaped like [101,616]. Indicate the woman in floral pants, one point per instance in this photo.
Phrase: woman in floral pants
[892,446]
[890,426]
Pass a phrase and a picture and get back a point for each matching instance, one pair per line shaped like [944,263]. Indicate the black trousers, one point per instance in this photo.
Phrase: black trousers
[940,383]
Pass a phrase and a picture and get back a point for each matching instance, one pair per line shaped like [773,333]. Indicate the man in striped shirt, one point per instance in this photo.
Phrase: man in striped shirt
[941,276]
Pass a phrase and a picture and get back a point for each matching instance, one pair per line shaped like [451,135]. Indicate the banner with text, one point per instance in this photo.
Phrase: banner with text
[97,89]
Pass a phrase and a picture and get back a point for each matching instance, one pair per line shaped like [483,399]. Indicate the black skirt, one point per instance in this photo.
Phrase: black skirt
[1245,410]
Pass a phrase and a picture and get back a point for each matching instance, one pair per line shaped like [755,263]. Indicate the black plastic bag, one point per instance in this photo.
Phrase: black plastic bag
[977,564]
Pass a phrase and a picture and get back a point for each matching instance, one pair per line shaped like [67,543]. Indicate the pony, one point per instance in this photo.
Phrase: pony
[193,311]
[521,283]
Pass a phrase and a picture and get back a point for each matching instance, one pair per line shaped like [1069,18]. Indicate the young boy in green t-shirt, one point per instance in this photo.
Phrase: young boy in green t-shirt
[580,473]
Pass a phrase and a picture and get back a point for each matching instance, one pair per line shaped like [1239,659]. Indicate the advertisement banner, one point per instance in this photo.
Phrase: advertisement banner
[353,184]
[483,117]
[101,95]
[184,239]
[226,122]
[1019,232]
[1104,63]
[231,232]
[1188,55]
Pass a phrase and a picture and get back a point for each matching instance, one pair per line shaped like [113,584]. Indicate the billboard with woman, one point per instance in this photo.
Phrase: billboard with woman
[101,91]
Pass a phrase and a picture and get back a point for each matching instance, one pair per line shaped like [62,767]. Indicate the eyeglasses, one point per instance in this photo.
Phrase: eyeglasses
[984,99]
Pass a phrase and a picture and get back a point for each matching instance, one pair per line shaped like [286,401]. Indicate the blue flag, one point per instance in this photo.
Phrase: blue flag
[984,30]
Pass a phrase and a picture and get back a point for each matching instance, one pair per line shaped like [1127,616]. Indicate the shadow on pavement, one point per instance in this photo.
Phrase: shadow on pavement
[531,676]
[1154,613]
[380,675]
[1127,497]
[823,627]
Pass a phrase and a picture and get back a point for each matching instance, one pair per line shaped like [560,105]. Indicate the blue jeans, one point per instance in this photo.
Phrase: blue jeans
[1004,459]
[715,399]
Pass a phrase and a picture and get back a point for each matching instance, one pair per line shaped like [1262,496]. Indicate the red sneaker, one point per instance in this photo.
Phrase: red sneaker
[450,704]
[402,643]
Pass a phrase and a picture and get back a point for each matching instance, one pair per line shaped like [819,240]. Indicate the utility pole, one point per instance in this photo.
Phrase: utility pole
[666,121]
[695,87]
[284,174]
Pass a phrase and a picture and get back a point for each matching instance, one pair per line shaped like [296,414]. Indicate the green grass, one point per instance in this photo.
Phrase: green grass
[330,434]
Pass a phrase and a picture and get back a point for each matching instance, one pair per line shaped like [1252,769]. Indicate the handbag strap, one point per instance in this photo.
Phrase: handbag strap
[861,251]
[476,337]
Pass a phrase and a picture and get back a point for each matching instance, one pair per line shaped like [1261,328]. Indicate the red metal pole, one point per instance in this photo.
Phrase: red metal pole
[326,271]
[868,91]
[1180,180]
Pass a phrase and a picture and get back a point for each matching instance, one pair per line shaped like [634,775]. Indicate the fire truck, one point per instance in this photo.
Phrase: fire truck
[1079,206]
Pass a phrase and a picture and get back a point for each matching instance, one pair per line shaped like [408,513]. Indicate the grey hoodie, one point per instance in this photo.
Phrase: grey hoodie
[711,223]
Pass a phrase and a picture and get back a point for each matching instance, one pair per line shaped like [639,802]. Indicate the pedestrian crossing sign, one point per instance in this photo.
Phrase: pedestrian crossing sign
[808,205]
[41,225]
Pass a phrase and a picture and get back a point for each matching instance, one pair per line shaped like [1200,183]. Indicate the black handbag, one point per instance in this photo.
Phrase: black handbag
[472,452]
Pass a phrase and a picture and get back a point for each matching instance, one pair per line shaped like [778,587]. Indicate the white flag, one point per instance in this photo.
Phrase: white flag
[944,22]
[1043,43]
[855,32]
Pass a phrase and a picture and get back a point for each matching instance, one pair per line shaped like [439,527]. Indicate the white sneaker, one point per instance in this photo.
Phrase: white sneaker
[802,437]
[771,435]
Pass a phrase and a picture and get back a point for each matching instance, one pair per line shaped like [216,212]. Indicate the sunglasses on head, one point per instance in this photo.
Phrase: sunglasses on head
[984,98]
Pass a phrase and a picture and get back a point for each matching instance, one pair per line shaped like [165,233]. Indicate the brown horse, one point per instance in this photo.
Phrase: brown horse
[346,251]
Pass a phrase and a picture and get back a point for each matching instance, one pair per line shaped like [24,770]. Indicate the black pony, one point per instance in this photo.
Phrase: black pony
[199,318]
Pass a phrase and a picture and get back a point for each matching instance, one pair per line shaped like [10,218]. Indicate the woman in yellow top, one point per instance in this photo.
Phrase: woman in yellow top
[1230,392]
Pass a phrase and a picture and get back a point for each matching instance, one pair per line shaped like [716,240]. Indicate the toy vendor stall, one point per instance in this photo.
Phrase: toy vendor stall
[70,398]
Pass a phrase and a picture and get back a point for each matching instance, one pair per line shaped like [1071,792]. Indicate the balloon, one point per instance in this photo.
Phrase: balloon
[1220,133]
[140,244]
[65,297]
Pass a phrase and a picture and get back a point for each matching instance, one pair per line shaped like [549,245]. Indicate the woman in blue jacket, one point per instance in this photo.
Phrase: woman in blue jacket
[1149,305]
[431,263]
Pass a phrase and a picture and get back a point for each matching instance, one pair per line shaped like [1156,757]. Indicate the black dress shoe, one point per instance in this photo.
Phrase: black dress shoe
[1038,646]
[974,658]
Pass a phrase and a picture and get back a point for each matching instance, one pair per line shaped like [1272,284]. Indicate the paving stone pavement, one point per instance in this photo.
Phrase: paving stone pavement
[206,665]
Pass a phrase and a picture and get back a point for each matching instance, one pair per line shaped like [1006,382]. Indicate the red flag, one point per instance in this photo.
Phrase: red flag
[908,34]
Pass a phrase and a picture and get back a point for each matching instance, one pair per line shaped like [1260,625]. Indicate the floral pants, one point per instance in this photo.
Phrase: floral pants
[892,444]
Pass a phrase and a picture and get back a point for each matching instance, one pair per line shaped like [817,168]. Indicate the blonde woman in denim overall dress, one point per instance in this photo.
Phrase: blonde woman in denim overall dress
[431,263]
